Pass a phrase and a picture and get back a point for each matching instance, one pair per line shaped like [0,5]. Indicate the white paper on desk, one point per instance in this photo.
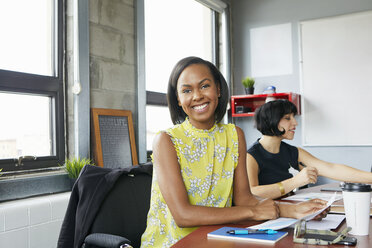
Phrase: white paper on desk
[282,222]
[332,221]
[313,195]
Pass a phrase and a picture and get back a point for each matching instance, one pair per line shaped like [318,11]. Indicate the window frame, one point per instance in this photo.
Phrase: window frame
[219,9]
[159,98]
[50,86]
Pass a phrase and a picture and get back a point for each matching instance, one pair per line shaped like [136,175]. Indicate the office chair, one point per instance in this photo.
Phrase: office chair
[107,208]
[123,212]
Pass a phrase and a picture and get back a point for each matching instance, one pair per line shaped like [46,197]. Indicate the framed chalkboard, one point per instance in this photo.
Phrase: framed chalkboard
[113,138]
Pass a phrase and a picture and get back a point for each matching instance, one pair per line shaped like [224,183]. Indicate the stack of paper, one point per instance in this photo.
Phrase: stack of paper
[286,222]
[313,195]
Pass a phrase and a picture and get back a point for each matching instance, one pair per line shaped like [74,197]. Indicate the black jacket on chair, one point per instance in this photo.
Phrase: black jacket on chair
[89,194]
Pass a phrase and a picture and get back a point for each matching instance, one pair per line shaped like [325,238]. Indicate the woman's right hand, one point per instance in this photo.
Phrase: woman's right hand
[305,208]
[266,209]
[306,175]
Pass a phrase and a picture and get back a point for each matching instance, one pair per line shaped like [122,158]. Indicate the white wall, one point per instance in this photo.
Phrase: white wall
[247,15]
[33,222]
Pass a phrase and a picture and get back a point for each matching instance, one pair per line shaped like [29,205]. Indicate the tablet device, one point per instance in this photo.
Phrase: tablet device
[335,189]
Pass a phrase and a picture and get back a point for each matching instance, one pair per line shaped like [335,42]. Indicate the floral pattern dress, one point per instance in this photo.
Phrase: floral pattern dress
[207,159]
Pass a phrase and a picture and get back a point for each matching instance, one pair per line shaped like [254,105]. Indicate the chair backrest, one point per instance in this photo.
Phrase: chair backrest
[124,210]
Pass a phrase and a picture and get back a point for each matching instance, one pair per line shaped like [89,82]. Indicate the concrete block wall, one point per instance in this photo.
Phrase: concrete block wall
[113,83]
[112,55]
[33,222]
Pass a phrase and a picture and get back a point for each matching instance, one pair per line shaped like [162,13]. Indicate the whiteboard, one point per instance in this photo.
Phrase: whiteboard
[271,50]
[336,83]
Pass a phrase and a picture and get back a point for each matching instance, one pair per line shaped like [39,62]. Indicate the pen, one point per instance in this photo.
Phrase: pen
[240,231]
[303,165]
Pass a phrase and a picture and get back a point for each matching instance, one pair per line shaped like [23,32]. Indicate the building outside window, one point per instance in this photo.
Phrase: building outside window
[31,86]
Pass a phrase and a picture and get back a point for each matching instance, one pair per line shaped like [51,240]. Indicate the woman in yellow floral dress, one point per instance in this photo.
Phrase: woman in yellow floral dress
[199,174]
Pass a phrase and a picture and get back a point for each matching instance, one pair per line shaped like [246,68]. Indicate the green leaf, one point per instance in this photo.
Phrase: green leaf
[248,82]
[75,165]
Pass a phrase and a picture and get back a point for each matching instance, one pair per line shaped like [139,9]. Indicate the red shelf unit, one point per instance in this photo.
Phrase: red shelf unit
[252,102]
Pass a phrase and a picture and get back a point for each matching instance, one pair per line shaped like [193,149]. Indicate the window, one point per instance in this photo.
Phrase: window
[174,30]
[31,86]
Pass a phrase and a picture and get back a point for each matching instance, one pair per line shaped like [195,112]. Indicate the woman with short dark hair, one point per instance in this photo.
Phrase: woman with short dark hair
[269,158]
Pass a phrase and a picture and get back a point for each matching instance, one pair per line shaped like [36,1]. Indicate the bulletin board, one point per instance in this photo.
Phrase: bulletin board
[113,138]
[336,83]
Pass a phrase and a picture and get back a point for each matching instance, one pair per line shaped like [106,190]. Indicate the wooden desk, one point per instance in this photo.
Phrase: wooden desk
[198,238]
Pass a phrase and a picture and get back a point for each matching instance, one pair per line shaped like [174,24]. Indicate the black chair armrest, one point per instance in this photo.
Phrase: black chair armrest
[104,240]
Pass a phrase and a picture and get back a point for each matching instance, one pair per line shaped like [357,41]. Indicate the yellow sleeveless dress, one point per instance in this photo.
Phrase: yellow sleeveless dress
[207,160]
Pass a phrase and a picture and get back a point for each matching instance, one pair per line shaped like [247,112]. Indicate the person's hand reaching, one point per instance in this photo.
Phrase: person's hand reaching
[306,175]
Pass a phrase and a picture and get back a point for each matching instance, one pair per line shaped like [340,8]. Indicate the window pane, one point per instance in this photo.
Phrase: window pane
[174,30]
[25,126]
[157,119]
[27,44]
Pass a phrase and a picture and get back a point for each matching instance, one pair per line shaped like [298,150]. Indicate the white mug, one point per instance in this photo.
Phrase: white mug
[357,201]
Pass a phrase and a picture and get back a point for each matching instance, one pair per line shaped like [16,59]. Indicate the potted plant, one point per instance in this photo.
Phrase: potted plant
[248,84]
[74,166]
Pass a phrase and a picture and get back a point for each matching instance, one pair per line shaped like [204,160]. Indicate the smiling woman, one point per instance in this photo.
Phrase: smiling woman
[199,163]
[198,93]
[269,158]
[211,75]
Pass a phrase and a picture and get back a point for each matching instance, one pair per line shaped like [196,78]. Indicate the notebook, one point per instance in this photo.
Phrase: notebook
[255,237]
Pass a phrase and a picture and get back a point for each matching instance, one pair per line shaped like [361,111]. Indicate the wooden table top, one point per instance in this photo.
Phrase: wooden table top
[198,238]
